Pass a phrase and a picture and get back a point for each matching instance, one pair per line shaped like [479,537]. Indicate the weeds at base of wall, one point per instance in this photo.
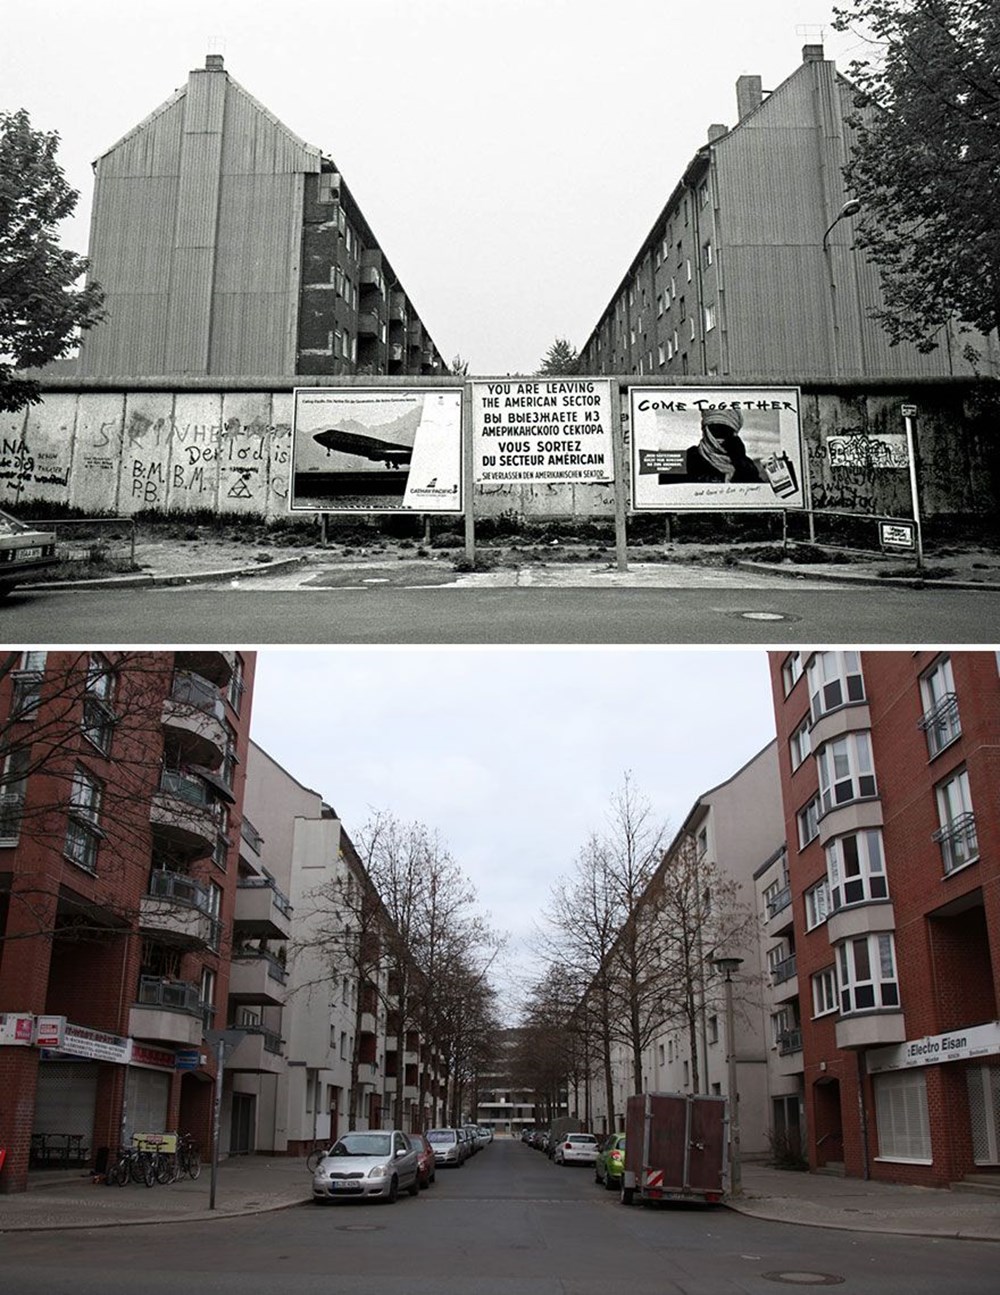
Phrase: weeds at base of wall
[786,1152]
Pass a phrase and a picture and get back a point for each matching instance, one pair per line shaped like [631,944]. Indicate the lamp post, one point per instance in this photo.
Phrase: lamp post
[850,208]
[728,966]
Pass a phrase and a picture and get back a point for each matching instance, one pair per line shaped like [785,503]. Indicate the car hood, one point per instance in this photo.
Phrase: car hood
[345,1166]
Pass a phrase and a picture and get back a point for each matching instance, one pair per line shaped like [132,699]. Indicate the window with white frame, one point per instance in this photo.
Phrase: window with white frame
[791,671]
[845,770]
[82,831]
[236,684]
[824,991]
[799,744]
[207,995]
[808,821]
[901,1114]
[13,786]
[709,317]
[957,833]
[940,721]
[856,868]
[835,679]
[706,254]
[817,902]
[98,716]
[866,972]
[27,679]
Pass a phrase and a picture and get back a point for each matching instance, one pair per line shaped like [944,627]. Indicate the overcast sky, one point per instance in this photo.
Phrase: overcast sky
[511,754]
[509,155]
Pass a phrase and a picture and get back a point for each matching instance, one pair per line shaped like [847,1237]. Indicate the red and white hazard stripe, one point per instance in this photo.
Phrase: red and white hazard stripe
[654,1178]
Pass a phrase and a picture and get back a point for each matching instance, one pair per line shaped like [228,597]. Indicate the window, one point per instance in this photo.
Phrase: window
[866,969]
[98,716]
[824,991]
[236,685]
[713,1029]
[207,996]
[817,900]
[808,820]
[940,720]
[706,255]
[901,1111]
[709,318]
[662,1055]
[957,833]
[834,680]
[82,832]
[13,784]
[791,671]
[855,869]
[661,354]
[799,744]
[28,685]
[845,770]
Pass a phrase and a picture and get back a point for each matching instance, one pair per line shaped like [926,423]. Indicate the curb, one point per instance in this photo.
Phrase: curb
[885,1230]
[861,578]
[198,1216]
[148,580]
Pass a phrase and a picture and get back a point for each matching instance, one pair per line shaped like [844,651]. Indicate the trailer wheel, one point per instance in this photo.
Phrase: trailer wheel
[627,1195]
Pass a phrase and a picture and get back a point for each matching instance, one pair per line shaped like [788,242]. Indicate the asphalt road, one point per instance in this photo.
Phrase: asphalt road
[509,1222]
[379,614]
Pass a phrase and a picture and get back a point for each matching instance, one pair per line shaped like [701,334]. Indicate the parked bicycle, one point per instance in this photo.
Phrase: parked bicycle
[315,1156]
[129,1164]
[188,1156]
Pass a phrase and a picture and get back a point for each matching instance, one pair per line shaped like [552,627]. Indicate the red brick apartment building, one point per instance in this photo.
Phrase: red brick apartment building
[121,791]
[889,768]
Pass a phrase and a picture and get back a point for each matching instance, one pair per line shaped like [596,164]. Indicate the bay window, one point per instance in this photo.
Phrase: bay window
[845,770]
[856,868]
[834,680]
[866,970]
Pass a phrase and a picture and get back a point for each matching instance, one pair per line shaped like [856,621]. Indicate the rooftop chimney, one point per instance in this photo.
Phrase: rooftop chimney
[812,53]
[716,132]
[749,95]
[214,63]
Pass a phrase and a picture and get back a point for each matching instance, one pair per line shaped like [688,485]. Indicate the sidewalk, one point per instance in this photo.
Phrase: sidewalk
[179,562]
[259,1184]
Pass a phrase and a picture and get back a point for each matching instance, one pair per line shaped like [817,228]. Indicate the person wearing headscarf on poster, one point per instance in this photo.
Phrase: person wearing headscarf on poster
[720,455]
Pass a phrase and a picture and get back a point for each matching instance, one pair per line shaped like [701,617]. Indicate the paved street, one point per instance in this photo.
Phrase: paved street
[510,1222]
[741,613]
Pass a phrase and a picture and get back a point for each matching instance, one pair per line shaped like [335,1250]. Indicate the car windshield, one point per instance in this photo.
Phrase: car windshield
[442,1135]
[363,1144]
[581,1137]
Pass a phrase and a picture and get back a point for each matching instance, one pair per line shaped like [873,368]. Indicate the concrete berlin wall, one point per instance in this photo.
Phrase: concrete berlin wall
[120,452]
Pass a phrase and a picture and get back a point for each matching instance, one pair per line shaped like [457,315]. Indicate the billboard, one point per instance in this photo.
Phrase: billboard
[715,448]
[376,451]
[549,431]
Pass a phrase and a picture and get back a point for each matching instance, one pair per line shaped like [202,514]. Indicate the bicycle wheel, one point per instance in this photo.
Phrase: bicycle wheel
[313,1159]
[166,1169]
[117,1172]
[193,1162]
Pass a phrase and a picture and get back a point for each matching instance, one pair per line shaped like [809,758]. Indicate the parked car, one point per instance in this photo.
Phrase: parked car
[472,1136]
[371,1162]
[426,1159]
[575,1149]
[448,1146]
[610,1162]
[23,551]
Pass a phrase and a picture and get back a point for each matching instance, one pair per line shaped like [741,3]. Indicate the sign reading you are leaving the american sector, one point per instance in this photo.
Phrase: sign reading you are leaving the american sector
[542,431]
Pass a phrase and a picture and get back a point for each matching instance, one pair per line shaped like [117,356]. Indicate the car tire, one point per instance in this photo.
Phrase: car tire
[393,1191]
[414,1187]
[609,1185]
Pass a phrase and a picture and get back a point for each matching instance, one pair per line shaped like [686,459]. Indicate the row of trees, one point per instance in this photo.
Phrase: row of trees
[400,921]
[629,941]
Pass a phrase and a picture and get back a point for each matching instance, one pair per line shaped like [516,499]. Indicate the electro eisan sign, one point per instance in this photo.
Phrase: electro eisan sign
[545,431]
[956,1045]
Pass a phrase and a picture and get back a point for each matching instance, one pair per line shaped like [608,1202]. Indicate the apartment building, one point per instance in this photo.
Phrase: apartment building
[121,792]
[342,1054]
[889,764]
[748,270]
[228,246]
[715,855]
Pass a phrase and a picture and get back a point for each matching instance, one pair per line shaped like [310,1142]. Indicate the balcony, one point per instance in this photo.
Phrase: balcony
[215,665]
[176,908]
[195,712]
[251,847]
[871,1030]
[778,919]
[262,910]
[369,324]
[260,1052]
[396,353]
[371,279]
[257,978]
[185,813]
[415,334]
[397,307]
[167,1011]
[959,842]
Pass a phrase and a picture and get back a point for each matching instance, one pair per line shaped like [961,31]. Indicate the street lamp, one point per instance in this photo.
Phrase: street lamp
[850,208]
[728,966]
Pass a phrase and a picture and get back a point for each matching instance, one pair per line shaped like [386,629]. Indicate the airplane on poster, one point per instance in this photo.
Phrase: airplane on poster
[365,447]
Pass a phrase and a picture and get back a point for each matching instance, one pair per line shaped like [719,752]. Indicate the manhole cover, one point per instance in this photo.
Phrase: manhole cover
[762,616]
[804,1279]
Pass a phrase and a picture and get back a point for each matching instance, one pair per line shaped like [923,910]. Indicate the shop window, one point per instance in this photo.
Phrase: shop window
[901,1113]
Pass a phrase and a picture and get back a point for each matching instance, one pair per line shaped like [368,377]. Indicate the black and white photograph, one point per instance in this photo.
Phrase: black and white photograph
[500,663]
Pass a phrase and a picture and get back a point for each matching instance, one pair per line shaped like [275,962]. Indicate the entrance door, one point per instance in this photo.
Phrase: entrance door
[244,1122]
[984,1113]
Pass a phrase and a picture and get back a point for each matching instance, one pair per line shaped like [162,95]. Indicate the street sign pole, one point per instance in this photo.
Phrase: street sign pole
[225,1041]
[909,413]
[618,458]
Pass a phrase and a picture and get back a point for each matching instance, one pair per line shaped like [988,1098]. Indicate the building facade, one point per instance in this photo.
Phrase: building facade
[227,246]
[121,791]
[747,271]
[889,769]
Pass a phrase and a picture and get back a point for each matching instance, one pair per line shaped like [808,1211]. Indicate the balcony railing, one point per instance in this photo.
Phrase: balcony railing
[275,967]
[941,724]
[280,900]
[783,970]
[958,841]
[250,834]
[779,901]
[193,690]
[790,1041]
[174,782]
[271,1039]
[179,888]
[177,995]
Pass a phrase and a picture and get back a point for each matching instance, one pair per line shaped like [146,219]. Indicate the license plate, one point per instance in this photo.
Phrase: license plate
[25,554]
[343,1185]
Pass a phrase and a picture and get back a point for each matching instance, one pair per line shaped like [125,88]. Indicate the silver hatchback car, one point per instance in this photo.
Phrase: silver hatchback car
[448,1144]
[373,1162]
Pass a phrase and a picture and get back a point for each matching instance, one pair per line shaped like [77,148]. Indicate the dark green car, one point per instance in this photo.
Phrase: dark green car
[610,1163]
